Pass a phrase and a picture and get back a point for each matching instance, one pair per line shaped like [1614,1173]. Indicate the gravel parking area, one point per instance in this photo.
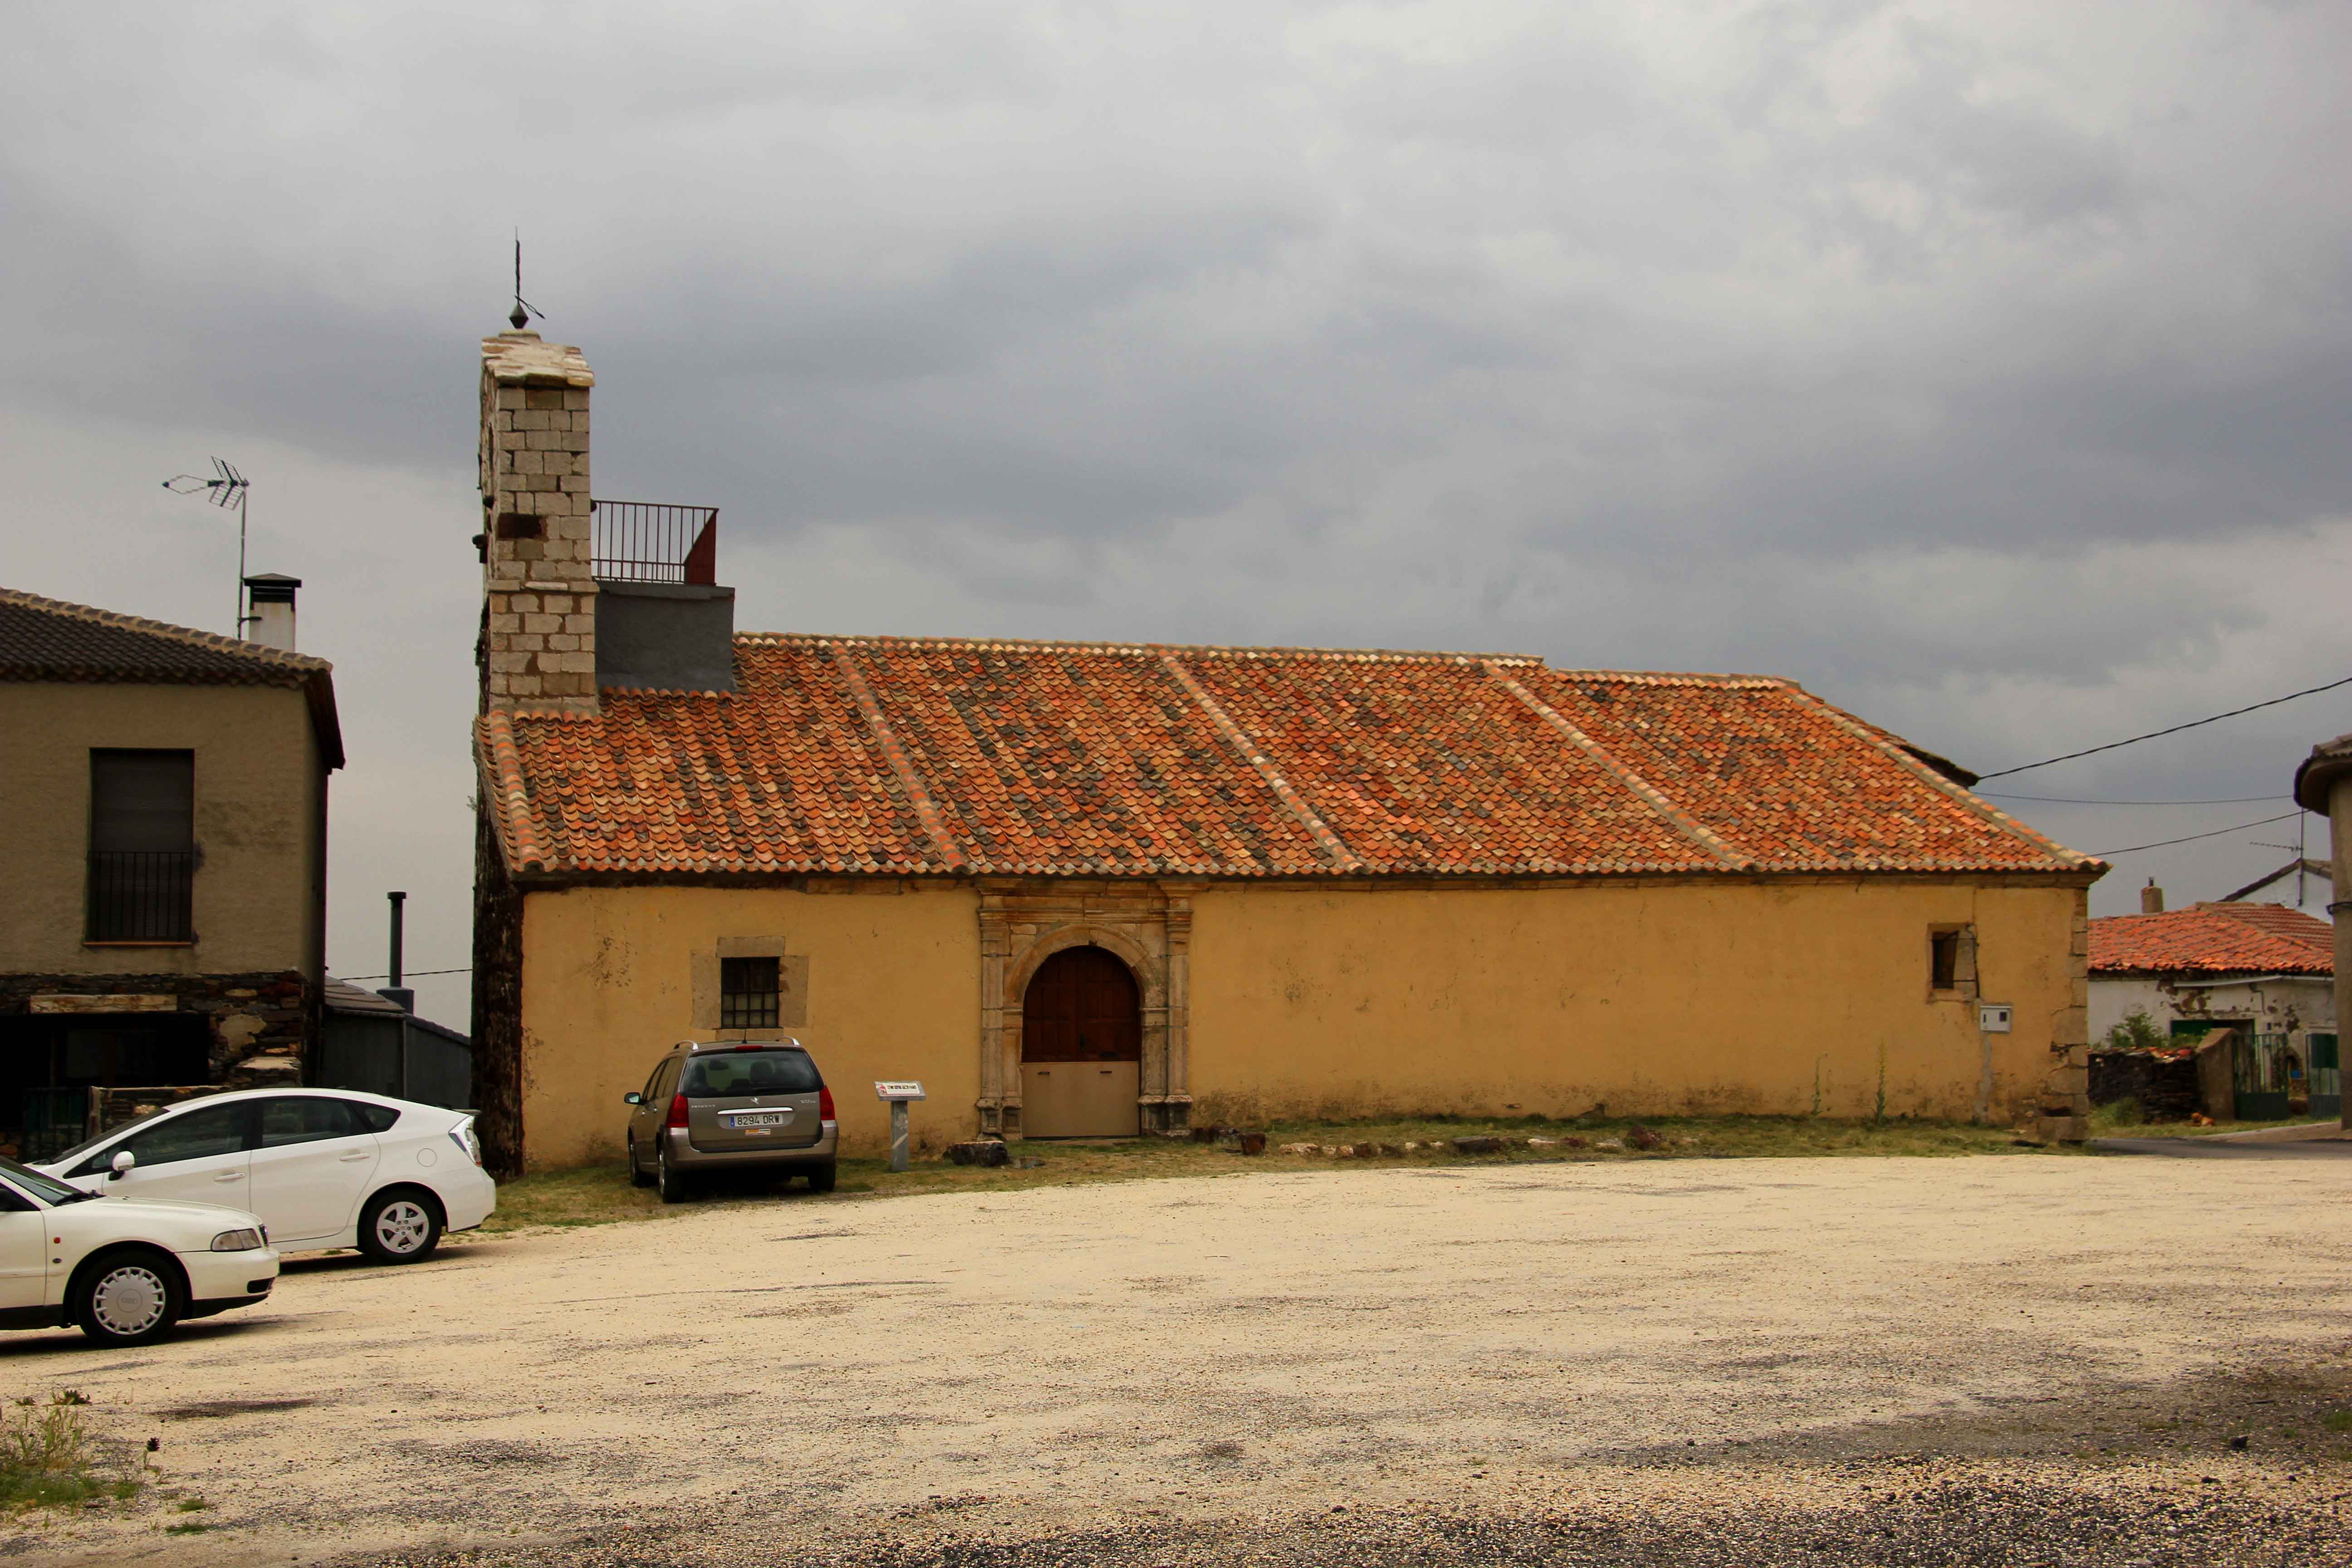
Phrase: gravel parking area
[1833,1361]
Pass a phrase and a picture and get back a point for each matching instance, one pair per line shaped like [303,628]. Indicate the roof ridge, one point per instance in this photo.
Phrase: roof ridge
[237,647]
[1139,649]
[1657,799]
[1959,795]
[928,814]
[1334,848]
[1680,677]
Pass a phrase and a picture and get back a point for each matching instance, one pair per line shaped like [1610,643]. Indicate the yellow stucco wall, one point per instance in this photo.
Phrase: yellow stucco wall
[607,988]
[258,824]
[1653,998]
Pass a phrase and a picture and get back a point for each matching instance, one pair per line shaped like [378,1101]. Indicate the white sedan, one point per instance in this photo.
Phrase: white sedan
[122,1272]
[324,1168]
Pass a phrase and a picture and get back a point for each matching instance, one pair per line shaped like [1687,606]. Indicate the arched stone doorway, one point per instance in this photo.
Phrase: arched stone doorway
[1081,1046]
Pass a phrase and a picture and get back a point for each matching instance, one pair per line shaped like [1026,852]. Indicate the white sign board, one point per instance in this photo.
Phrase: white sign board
[907,1090]
[1992,1017]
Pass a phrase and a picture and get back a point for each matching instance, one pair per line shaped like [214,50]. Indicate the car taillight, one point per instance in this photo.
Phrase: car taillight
[825,1104]
[677,1110]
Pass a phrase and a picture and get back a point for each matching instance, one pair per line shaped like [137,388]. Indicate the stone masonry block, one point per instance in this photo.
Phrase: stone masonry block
[547,440]
[510,397]
[505,624]
[576,399]
[509,663]
[522,685]
[524,549]
[579,624]
[556,604]
[572,440]
[562,642]
[507,441]
[527,642]
[539,626]
[543,398]
[523,603]
[532,419]
[529,462]
[577,484]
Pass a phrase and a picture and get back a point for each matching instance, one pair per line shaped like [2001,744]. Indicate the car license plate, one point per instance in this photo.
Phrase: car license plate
[761,1118]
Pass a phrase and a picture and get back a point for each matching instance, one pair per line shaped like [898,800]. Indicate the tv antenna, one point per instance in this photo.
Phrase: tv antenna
[524,310]
[224,490]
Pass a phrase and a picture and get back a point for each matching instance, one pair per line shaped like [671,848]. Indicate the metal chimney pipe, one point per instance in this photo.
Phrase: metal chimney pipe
[397,899]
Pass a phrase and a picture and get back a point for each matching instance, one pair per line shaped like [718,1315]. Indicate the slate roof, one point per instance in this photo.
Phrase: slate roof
[927,756]
[2214,938]
[52,640]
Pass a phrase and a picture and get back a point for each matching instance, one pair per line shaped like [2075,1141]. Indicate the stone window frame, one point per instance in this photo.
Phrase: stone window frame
[1964,961]
[792,988]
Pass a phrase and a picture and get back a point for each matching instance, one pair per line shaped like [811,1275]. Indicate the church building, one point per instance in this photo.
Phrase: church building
[1115,889]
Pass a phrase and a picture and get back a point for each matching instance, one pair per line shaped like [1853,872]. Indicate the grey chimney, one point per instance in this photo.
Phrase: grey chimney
[269,612]
[2151,899]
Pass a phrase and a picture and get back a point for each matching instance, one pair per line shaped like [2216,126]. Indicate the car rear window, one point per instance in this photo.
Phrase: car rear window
[724,1074]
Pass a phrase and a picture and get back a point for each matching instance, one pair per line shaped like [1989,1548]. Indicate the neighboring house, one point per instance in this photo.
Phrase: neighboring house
[2263,970]
[2301,884]
[1105,889]
[163,909]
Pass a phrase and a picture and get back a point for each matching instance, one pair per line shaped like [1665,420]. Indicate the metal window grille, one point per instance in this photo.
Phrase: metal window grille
[748,993]
[142,895]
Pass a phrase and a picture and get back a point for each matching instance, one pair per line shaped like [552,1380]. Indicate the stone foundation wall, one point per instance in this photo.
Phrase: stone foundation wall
[261,1028]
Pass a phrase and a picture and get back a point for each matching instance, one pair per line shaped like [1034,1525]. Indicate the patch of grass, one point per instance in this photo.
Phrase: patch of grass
[192,1527]
[2122,1120]
[2337,1421]
[50,1460]
[600,1194]
[192,1505]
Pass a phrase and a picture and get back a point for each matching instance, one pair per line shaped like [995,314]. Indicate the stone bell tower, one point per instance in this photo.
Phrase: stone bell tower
[537,645]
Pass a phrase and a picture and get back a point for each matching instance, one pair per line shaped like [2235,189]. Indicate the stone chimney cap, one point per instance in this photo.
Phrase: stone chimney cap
[522,359]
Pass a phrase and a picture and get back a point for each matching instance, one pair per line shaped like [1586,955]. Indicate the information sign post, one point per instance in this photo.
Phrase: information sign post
[897,1096]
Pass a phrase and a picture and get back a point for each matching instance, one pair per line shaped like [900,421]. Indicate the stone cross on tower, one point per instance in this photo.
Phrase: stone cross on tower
[538,649]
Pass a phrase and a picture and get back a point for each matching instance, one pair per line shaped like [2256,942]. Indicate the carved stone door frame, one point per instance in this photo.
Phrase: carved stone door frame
[1147,925]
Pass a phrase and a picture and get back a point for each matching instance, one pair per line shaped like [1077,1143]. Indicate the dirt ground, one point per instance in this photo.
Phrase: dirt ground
[1754,1361]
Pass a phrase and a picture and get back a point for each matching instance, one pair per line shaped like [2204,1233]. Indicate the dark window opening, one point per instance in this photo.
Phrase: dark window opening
[142,842]
[1944,960]
[748,989]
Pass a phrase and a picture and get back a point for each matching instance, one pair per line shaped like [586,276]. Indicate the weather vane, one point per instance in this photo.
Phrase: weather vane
[524,310]
[226,489]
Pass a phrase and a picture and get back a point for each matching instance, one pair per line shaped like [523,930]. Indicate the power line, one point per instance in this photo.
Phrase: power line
[2103,854]
[2078,800]
[467,970]
[2153,734]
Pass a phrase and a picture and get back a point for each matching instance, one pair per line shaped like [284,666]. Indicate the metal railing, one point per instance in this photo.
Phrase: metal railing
[651,542]
[142,895]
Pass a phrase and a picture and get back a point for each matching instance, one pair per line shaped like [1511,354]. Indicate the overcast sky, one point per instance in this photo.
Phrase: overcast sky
[1982,367]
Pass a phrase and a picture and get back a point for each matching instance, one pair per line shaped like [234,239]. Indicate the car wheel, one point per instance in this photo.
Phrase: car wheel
[637,1177]
[672,1184]
[128,1297]
[399,1226]
[821,1177]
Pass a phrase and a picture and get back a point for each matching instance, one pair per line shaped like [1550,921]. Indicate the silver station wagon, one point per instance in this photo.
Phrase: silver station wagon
[731,1106]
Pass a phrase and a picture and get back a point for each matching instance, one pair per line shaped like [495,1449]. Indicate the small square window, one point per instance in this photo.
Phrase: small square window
[1943,960]
[748,993]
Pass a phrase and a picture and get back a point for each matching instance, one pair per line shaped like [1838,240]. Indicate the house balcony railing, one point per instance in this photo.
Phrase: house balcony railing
[650,541]
[142,895]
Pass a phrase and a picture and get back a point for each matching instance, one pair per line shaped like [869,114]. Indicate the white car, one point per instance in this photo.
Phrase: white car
[322,1167]
[122,1272]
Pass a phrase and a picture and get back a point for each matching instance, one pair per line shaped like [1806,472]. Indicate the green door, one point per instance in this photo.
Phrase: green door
[2259,1070]
[2327,1077]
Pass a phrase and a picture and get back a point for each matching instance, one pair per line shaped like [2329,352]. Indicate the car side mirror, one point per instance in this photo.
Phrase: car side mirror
[122,1162]
[632,1098]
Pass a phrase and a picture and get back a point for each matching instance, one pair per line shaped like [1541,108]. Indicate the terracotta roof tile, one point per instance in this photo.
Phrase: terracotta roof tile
[935,755]
[2214,938]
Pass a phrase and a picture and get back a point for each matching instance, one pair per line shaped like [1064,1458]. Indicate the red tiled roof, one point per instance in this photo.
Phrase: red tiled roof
[929,756]
[2214,938]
